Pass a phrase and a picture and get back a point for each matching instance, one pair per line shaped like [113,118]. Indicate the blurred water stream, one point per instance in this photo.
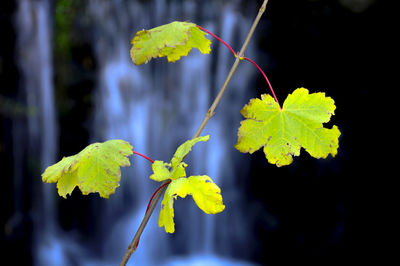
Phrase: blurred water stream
[155,107]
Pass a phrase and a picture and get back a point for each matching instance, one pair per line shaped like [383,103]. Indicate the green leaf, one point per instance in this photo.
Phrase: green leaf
[206,194]
[204,191]
[94,169]
[166,218]
[172,40]
[283,132]
[176,168]
[163,171]
[185,148]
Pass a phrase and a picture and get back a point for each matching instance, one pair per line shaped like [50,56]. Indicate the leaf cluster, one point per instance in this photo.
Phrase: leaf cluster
[204,191]
[280,132]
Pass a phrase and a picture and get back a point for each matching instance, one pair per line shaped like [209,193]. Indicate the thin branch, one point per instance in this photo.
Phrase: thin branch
[244,58]
[150,208]
[221,92]
[210,113]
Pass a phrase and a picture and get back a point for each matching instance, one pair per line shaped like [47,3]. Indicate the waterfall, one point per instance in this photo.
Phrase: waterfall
[35,63]
[155,107]
[158,106]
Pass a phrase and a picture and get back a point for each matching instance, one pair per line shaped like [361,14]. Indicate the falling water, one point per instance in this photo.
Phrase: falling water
[35,62]
[155,107]
[158,106]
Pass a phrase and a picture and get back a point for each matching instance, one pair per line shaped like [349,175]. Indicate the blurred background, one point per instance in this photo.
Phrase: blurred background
[66,80]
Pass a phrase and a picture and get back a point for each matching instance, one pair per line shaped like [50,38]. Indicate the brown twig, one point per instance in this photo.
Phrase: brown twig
[210,113]
[221,92]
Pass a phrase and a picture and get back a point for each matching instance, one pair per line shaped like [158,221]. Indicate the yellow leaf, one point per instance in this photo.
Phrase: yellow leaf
[172,40]
[95,169]
[205,193]
[283,132]
[166,218]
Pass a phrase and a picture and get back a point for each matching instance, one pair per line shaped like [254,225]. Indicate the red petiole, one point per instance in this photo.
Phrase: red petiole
[265,76]
[216,37]
[244,58]
[144,156]
[155,193]
[151,199]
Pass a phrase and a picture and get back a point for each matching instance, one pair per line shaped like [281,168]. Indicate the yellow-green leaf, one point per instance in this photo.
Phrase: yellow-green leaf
[283,132]
[176,168]
[163,171]
[204,191]
[185,148]
[172,40]
[94,169]
[166,218]
[206,194]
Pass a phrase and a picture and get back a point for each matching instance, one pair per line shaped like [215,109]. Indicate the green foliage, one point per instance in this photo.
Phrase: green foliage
[172,40]
[176,169]
[204,191]
[283,132]
[94,169]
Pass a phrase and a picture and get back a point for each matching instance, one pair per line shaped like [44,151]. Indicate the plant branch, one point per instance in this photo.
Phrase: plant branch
[221,92]
[244,58]
[150,208]
[210,113]
[150,201]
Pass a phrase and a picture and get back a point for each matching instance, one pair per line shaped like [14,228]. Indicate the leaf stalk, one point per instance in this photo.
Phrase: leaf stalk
[144,156]
[265,77]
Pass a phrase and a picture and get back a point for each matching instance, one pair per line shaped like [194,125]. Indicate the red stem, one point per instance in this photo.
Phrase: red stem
[151,199]
[158,189]
[244,58]
[265,76]
[216,37]
[144,156]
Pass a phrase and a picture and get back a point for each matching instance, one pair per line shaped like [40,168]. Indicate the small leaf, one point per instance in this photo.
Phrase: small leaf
[283,132]
[166,218]
[172,40]
[185,148]
[94,169]
[176,168]
[163,171]
[206,195]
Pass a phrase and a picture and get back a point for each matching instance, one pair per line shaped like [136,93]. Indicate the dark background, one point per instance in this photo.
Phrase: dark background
[328,209]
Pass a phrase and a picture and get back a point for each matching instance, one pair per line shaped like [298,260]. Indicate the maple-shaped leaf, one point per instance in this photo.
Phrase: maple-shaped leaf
[95,169]
[172,40]
[204,191]
[282,132]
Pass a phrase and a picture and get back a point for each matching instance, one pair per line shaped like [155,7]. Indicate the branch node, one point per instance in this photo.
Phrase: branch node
[210,113]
